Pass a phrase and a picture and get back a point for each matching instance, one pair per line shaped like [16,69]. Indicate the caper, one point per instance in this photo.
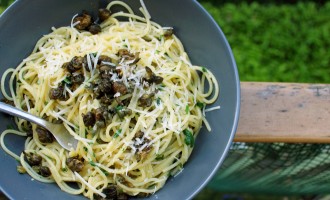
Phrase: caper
[94,29]
[151,77]
[103,58]
[74,164]
[89,118]
[78,78]
[56,93]
[146,100]
[77,62]
[32,158]
[105,86]
[110,192]
[85,20]
[104,14]
[168,32]
[44,171]
[119,87]
[44,135]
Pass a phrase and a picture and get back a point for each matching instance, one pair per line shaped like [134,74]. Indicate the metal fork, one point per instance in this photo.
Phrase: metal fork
[61,134]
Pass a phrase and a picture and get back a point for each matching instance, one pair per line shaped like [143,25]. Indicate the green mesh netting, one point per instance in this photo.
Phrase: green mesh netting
[275,168]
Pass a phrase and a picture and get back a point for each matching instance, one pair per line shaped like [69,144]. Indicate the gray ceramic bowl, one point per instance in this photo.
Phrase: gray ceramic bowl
[27,20]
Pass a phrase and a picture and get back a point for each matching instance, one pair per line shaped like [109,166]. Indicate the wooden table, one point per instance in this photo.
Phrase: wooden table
[282,112]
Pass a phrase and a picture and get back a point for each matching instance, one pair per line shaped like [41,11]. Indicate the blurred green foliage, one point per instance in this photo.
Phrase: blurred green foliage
[4,4]
[286,42]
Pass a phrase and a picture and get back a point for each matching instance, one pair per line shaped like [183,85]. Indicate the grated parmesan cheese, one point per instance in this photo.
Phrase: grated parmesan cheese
[74,24]
[212,108]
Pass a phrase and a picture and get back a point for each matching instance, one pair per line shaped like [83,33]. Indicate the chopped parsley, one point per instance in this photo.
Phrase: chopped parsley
[204,69]
[104,172]
[118,108]
[189,139]
[200,104]
[67,81]
[118,132]
[161,87]
[64,169]
[158,100]
[85,149]
[92,163]
[159,157]
[187,109]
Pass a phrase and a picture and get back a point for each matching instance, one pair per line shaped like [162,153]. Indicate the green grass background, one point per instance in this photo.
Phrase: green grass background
[286,41]
[276,41]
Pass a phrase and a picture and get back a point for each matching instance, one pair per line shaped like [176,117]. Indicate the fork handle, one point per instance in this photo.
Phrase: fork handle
[22,114]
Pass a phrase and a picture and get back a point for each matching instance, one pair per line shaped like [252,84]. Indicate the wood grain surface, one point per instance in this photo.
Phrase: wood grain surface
[284,112]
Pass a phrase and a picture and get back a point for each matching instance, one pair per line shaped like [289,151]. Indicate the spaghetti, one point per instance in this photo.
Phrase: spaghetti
[128,93]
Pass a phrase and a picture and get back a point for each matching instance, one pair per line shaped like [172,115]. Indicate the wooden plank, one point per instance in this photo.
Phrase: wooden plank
[284,112]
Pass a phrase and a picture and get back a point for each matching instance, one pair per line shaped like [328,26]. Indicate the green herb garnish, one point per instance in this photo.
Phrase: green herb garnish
[92,163]
[104,172]
[187,109]
[159,157]
[64,169]
[118,132]
[161,87]
[200,104]
[118,108]
[204,69]
[158,100]
[67,81]
[189,139]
